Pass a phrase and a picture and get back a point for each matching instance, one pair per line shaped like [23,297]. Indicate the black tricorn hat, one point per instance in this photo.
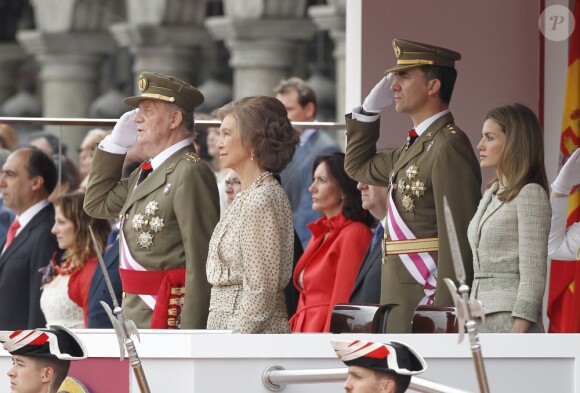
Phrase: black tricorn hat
[56,342]
[393,357]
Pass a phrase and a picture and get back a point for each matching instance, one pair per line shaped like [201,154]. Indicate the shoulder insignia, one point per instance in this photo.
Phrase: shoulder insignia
[451,128]
[192,157]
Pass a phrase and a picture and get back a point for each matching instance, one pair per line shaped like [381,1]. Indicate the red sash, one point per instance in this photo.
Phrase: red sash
[169,288]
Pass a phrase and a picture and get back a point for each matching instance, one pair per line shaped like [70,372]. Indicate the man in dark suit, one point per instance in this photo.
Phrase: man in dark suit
[367,287]
[28,177]
[98,318]
[300,102]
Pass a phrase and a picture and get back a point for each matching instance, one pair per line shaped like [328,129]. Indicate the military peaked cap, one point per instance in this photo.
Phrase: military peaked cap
[412,54]
[166,88]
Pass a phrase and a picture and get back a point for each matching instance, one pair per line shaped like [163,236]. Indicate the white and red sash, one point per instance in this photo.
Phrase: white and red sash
[127,262]
[421,265]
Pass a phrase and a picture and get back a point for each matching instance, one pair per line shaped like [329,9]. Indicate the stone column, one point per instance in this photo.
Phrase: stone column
[164,36]
[332,17]
[11,57]
[262,37]
[70,65]
[70,43]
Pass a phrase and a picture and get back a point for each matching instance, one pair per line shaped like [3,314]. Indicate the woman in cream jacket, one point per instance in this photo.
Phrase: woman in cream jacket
[509,232]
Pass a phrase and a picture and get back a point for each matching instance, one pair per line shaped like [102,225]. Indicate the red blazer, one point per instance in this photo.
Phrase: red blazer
[330,269]
[79,285]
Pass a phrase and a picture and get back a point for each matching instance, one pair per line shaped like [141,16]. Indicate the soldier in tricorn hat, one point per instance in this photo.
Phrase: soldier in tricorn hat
[437,160]
[377,367]
[168,207]
[41,357]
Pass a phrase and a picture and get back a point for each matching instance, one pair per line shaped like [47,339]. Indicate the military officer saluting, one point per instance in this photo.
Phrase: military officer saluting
[168,207]
[436,160]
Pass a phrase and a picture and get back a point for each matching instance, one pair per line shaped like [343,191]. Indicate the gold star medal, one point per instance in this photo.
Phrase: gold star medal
[408,204]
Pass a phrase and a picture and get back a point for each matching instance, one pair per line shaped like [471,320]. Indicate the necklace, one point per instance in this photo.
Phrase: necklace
[261,178]
[258,182]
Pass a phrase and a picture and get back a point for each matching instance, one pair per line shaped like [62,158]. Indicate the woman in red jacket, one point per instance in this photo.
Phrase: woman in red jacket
[326,272]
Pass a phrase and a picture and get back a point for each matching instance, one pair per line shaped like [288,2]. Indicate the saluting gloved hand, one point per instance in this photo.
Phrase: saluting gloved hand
[381,96]
[125,131]
[569,175]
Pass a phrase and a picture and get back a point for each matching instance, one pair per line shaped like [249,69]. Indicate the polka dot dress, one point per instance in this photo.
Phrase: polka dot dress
[250,262]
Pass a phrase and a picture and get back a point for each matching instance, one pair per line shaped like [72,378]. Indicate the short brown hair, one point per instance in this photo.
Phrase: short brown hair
[59,367]
[522,157]
[265,129]
[71,206]
[305,93]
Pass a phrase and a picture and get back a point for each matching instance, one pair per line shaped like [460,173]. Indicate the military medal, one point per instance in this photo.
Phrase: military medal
[139,221]
[418,188]
[151,208]
[411,187]
[412,171]
[156,224]
[408,204]
[145,240]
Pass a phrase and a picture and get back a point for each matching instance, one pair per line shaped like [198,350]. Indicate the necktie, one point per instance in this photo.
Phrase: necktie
[378,235]
[11,233]
[146,169]
[411,138]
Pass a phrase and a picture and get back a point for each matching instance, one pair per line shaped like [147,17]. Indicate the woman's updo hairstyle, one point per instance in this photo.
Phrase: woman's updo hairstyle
[264,129]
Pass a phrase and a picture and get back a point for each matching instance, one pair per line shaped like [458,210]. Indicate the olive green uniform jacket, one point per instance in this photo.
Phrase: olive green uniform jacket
[187,200]
[447,166]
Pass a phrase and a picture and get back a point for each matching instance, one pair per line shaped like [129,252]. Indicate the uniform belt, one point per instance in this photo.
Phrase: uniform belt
[395,247]
[496,275]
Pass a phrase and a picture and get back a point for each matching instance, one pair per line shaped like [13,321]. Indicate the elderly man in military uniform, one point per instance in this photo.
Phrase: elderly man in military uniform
[437,160]
[168,207]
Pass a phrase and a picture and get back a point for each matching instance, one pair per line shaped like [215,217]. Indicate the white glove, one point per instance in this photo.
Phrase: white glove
[569,175]
[125,131]
[381,96]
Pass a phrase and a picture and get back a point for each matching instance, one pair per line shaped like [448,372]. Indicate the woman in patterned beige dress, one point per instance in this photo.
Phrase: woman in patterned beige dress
[250,252]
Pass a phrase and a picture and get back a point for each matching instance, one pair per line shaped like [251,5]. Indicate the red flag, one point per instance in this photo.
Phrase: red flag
[564,293]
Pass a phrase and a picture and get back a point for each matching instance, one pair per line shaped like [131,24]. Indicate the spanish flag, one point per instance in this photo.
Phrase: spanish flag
[564,293]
